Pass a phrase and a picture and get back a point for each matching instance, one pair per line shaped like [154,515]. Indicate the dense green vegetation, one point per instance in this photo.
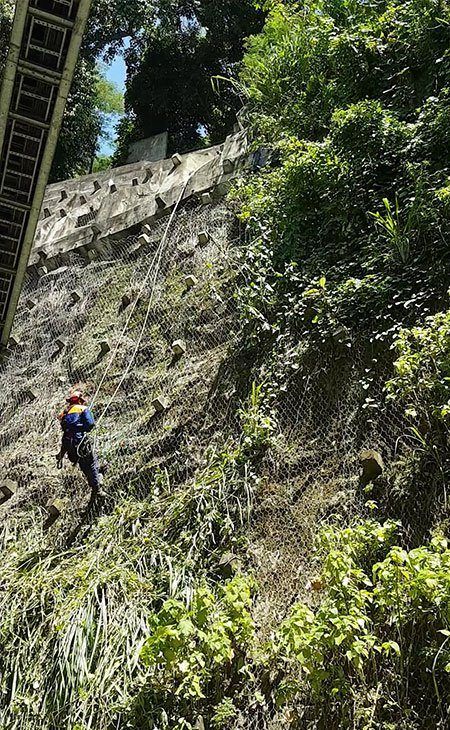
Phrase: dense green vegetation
[344,265]
[349,231]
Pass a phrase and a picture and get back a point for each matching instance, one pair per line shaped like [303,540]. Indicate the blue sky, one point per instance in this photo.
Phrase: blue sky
[115,71]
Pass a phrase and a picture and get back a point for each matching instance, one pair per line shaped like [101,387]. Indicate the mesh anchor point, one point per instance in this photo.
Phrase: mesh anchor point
[160,202]
[42,271]
[126,301]
[161,404]
[206,199]
[104,347]
[177,160]
[203,238]
[8,488]
[190,281]
[57,507]
[61,343]
[30,395]
[178,348]
[76,296]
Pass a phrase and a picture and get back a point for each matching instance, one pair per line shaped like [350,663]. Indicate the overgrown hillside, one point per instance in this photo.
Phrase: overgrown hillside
[246,568]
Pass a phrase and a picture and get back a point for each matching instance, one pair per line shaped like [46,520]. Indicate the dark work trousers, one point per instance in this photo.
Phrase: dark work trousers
[87,460]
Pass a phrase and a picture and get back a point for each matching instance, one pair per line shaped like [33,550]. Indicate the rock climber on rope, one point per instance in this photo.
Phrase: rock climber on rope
[77,421]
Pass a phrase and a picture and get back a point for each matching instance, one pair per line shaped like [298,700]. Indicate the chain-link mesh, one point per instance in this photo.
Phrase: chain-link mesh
[138,299]
[79,307]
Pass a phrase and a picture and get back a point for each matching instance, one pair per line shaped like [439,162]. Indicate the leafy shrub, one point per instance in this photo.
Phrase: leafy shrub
[422,369]
[187,647]
[382,613]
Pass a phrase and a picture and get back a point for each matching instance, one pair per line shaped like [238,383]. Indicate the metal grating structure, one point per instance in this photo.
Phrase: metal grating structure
[45,43]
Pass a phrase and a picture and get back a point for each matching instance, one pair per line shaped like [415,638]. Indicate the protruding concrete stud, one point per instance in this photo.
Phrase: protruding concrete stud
[126,301]
[143,240]
[43,256]
[206,198]
[147,229]
[30,304]
[160,202]
[76,296]
[203,238]
[42,270]
[135,182]
[62,213]
[190,281]
[64,195]
[47,213]
[61,343]
[177,160]
[97,186]
[13,342]
[372,464]
[228,166]
[178,348]
[104,348]
[112,187]
[147,177]
[30,395]
[83,200]
[57,507]
[161,404]
[8,488]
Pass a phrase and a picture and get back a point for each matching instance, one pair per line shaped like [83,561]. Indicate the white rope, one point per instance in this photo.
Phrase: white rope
[157,259]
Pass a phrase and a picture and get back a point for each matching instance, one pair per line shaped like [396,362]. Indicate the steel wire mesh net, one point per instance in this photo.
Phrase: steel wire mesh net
[138,299]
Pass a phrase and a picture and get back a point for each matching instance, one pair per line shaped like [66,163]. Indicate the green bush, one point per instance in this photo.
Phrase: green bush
[382,617]
[422,370]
